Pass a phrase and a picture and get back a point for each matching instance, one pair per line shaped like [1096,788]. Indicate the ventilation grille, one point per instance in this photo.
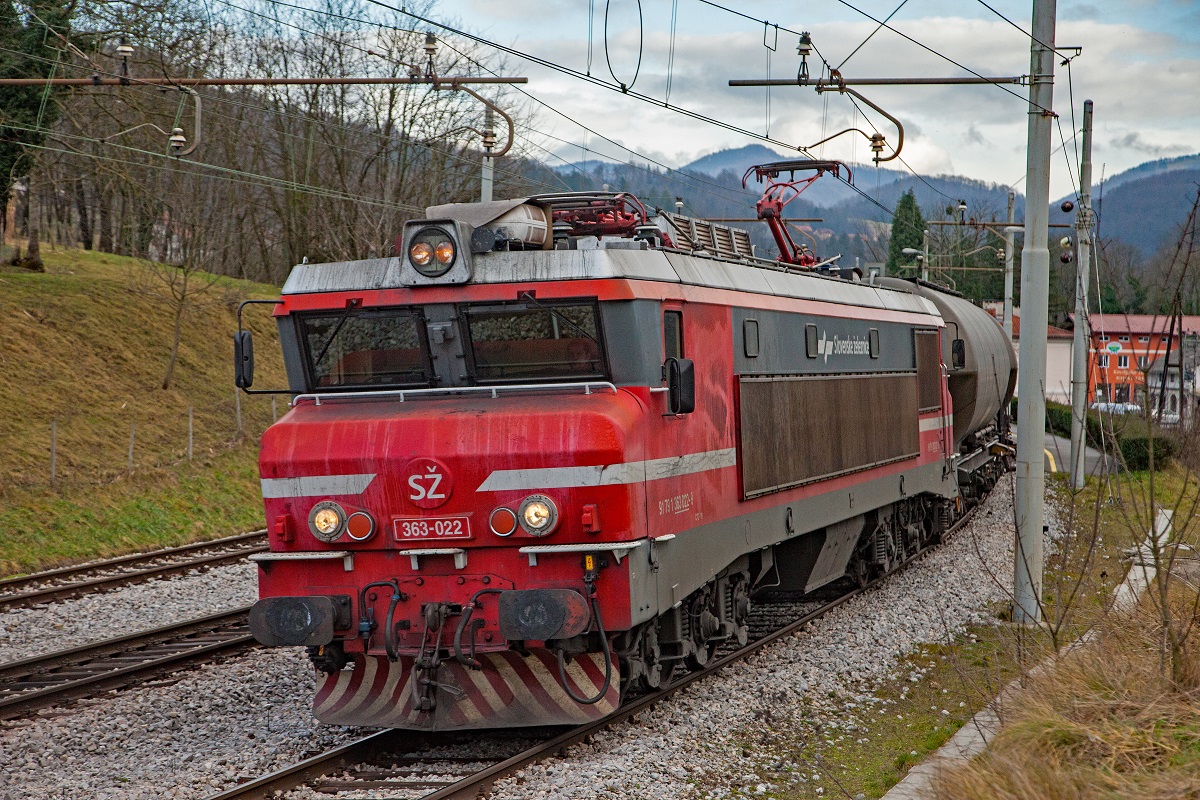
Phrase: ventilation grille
[690,233]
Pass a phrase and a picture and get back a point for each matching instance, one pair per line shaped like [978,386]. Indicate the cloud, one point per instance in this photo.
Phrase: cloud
[1143,80]
[1134,141]
[973,136]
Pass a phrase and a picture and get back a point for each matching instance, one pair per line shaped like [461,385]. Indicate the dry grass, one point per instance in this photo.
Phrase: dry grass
[86,345]
[1104,722]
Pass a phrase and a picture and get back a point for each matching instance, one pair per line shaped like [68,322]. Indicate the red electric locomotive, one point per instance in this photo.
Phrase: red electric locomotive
[550,452]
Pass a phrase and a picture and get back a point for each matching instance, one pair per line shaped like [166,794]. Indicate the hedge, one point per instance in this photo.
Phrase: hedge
[1130,431]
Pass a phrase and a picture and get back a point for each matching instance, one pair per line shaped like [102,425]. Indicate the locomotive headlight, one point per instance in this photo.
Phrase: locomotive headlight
[444,252]
[327,520]
[421,253]
[432,252]
[538,515]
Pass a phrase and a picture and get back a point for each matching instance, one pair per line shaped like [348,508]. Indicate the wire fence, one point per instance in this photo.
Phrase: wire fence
[79,447]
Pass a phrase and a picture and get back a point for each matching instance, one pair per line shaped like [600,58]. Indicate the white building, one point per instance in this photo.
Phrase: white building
[1059,347]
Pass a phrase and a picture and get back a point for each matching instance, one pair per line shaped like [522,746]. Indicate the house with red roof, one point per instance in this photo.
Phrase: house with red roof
[1124,348]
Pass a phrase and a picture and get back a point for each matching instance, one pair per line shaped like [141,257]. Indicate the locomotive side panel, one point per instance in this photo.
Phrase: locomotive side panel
[796,430]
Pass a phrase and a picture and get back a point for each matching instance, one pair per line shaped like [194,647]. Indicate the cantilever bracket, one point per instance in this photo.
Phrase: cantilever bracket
[837,84]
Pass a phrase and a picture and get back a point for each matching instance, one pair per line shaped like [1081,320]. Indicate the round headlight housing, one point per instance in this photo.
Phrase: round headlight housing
[538,515]
[432,252]
[360,526]
[327,520]
[503,522]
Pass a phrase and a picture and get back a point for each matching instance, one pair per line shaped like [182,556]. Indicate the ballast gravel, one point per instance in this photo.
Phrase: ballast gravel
[696,745]
[250,715]
[187,739]
[26,632]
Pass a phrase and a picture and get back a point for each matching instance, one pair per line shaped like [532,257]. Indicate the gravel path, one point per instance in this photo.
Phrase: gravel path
[26,632]
[252,714]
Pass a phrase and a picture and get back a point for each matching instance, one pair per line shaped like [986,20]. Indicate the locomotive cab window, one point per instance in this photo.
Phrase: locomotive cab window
[358,348]
[534,341]
[673,334]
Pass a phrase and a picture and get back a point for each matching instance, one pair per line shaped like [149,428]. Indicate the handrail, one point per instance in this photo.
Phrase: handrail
[403,394]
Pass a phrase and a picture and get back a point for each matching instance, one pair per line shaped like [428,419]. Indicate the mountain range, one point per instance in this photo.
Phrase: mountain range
[1143,206]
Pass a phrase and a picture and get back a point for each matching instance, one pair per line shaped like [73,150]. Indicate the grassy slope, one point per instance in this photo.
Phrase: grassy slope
[86,345]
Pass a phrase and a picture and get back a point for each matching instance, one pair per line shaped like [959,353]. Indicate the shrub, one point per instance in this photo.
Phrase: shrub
[1135,449]
[1129,430]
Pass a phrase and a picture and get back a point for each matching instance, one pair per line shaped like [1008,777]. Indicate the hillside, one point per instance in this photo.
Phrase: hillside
[1144,206]
[822,194]
[85,348]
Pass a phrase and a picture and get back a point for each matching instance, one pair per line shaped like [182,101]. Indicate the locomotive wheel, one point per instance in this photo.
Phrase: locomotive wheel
[652,666]
[741,611]
[698,659]
[703,624]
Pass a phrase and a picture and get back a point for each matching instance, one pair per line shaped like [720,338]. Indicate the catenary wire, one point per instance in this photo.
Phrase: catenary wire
[218,170]
[878,28]
[940,55]
[641,46]
[299,116]
[700,182]
[466,56]
[1024,32]
[571,72]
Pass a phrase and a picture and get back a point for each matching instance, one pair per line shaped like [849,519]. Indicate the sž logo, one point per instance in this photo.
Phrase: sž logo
[427,482]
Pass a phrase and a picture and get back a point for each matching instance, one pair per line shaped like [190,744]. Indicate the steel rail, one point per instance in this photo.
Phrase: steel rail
[14,592]
[65,675]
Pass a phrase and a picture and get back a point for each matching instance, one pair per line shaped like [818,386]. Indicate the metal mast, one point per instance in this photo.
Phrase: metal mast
[1079,353]
[1008,268]
[1035,290]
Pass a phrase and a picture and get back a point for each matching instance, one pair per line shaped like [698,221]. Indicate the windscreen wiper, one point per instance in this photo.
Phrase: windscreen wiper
[350,306]
[559,315]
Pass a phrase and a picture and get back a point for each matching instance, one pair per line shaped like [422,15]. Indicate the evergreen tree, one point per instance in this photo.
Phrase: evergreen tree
[908,227]
[27,50]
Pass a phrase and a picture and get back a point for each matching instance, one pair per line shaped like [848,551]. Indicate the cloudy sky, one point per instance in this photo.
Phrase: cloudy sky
[1140,64]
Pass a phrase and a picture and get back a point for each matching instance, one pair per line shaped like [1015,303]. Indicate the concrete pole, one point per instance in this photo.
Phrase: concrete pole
[1008,269]
[1079,353]
[485,183]
[925,259]
[1035,291]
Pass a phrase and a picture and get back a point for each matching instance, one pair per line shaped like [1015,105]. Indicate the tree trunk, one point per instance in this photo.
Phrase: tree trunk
[22,215]
[33,259]
[180,301]
[179,307]
[85,220]
[104,212]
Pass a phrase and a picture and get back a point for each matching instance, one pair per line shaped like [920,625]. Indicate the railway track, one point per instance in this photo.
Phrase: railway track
[61,584]
[413,764]
[61,677]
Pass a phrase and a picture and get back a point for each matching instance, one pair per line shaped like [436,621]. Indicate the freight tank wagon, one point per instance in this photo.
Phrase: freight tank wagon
[549,453]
